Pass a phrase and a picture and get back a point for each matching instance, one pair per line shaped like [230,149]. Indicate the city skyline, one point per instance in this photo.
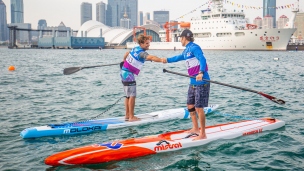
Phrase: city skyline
[34,10]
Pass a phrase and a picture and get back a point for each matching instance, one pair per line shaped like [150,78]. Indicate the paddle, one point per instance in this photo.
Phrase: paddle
[273,99]
[71,70]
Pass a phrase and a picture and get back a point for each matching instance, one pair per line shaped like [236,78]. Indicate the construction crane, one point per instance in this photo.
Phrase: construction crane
[134,31]
[141,28]
[168,25]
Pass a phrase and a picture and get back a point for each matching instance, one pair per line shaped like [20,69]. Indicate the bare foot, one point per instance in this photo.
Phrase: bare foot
[134,119]
[193,131]
[126,119]
[200,137]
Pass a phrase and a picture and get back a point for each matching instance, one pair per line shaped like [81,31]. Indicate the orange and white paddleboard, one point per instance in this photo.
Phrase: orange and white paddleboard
[138,147]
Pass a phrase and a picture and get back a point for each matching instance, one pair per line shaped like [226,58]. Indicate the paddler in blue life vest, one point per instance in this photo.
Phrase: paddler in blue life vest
[198,91]
[132,63]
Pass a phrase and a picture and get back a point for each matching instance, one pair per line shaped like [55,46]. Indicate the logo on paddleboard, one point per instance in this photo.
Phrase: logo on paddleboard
[161,147]
[253,132]
[112,145]
[82,129]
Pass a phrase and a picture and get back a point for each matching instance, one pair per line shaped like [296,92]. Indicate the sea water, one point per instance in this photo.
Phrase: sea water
[37,93]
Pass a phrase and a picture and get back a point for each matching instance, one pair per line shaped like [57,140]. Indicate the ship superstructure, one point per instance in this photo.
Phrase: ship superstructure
[220,29]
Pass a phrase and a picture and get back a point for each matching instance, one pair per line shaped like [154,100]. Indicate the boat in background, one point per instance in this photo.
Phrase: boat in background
[219,29]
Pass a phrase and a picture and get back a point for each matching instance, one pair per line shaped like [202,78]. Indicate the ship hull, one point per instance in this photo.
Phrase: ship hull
[256,39]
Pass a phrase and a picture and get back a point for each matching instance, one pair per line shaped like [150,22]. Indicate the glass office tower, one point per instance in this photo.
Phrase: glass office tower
[161,17]
[86,12]
[141,18]
[116,10]
[269,8]
[17,11]
[101,12]
[3,22]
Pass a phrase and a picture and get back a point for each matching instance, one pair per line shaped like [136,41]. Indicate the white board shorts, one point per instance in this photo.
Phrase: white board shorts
[130,91]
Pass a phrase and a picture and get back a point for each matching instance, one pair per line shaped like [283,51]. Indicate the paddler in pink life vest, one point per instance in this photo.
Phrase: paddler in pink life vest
[198,91]
[133,62]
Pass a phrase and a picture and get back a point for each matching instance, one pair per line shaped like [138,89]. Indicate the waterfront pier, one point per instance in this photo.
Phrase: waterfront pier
[20,38]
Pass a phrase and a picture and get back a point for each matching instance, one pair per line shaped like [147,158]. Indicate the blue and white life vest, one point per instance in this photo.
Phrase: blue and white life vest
[133,62]
[192,63]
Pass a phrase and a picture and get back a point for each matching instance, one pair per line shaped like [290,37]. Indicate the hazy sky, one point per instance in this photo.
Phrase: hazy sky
[68,11]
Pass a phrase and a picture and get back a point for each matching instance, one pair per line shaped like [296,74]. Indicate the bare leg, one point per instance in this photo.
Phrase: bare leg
[202,121]
[195,128]
[131,109]
[127,108]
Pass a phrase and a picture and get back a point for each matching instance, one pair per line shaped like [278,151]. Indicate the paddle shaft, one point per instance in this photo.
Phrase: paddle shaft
[71,70]
[215,82]
[98,66]
[274,99]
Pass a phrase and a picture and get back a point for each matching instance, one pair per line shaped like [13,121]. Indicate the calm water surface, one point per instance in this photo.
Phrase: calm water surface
[37,93]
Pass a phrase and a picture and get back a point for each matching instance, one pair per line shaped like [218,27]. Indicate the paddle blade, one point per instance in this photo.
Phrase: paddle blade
[71,70]
[274,99]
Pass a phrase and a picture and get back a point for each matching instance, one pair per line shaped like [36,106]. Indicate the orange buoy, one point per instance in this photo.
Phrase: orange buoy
[11,68]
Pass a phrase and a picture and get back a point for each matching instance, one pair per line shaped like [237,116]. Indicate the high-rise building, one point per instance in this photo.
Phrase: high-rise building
[3,22]
[101,12]
[258,22]
[281,23]
[41,24]
[125,21]
[117,10]
[86,12]
[161,17]
[17,11]
[109,15]
[269,8]
[299,24]
[141,18]
[267,22]
[148,16]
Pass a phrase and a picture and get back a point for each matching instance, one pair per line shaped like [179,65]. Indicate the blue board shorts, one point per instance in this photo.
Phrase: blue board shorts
[198,95]
[129,83]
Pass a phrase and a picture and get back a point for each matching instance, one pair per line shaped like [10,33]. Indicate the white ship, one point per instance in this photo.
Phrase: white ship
[219,29]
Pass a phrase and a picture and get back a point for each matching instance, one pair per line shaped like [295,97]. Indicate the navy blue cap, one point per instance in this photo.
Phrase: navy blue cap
[186,33]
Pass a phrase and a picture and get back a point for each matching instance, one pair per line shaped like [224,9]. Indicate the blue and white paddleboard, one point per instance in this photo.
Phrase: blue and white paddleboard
[89,126]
